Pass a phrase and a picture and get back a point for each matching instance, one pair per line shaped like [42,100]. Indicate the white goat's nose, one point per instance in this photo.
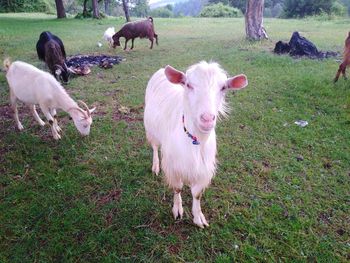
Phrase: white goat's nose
[207,118]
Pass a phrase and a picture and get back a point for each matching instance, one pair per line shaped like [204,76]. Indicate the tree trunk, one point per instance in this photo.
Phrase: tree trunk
[254,27]
[95,12]
[61,13]
[126,11]
[107,4]
[85,8]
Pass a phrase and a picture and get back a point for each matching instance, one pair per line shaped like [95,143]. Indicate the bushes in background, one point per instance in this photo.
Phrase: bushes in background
[220,10]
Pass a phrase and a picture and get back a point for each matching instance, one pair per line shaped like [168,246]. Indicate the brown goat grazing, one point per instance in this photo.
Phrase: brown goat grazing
[55,60]
[50,49]
[346,59]
[141,28]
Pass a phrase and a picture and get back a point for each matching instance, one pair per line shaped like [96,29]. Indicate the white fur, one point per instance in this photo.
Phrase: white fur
[33,86]
[201,94]
[108,35]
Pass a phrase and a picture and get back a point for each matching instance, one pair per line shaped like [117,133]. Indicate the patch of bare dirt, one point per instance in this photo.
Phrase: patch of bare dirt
[128,114]
[325,217]
[111,196]
[7,122]
[5,112]
[104,199]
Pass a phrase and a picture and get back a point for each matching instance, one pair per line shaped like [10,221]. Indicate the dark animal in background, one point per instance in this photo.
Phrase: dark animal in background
[141,28]
[346,59]
[51,50]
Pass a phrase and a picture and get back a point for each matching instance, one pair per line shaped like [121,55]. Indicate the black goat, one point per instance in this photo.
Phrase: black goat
[50,49]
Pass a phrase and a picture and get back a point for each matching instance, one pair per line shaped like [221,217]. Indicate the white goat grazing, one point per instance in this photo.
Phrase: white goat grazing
[180,116]
[33,86]
[108,35]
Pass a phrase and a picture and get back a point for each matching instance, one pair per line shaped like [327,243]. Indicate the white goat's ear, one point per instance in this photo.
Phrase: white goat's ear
[58,72]
[174,76]
[92,110]
[237,82]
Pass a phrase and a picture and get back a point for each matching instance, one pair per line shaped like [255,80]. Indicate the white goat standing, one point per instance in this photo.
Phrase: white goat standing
[33,86]
[108,35]
[180,116]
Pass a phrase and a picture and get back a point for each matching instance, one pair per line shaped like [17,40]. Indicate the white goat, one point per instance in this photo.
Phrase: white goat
[108,35]
[33,86]
[180,116]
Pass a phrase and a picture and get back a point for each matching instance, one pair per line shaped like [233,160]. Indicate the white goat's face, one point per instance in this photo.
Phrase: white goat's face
[83,124]
[82,119]
[205,88]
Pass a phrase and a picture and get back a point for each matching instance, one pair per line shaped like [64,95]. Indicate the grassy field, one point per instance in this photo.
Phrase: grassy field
[281,193]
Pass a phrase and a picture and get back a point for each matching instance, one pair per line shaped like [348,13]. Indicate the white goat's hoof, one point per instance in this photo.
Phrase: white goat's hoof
[177,211]
[200,220]
[155,168]
[20,127]
[42,124]
[57,136]
[58,128]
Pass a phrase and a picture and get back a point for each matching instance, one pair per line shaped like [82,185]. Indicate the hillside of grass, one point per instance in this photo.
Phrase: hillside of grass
[281,192]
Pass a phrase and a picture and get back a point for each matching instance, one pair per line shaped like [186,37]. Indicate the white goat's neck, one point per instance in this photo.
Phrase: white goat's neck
[65,102]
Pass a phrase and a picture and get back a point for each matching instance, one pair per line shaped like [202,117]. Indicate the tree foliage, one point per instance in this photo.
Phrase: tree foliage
[240,4]
[188,8]
[161,12]
[302,8]
[220,10]
[140,8]
[46,6]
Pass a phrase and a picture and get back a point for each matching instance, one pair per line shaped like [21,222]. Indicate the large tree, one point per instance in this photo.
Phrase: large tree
[254,27]
[61,13]
[126,10]
[107,7]
[95,11]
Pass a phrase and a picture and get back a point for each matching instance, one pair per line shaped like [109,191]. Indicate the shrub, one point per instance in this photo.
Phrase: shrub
[297,8]
[338,9]
[277,10]
[161,12]
[220,10]
[46,6]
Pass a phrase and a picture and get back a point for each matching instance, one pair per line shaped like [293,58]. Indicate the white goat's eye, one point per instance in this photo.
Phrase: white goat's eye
[223,88]
[85,126]
[188,85]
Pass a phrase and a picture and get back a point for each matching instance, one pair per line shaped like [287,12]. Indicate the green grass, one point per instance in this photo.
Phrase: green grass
[94,199]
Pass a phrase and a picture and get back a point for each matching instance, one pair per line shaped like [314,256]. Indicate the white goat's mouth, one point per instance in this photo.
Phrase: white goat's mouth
[207,128]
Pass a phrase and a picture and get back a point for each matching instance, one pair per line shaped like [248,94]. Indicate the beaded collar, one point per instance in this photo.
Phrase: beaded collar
[194,138]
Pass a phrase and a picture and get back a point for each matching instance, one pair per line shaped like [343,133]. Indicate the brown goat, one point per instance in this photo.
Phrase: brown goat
[346,59]
[50,49]
[55,60]
[142,29]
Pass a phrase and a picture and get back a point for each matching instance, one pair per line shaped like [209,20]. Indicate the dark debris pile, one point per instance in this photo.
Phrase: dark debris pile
[102,61]
[299,46]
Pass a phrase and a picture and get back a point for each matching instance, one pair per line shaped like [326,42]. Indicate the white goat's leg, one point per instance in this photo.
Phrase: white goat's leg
[177,207]
[13,100]
[55,123]
[49,117]
[155,145]
[155,165]
[36,115]
[198,217]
